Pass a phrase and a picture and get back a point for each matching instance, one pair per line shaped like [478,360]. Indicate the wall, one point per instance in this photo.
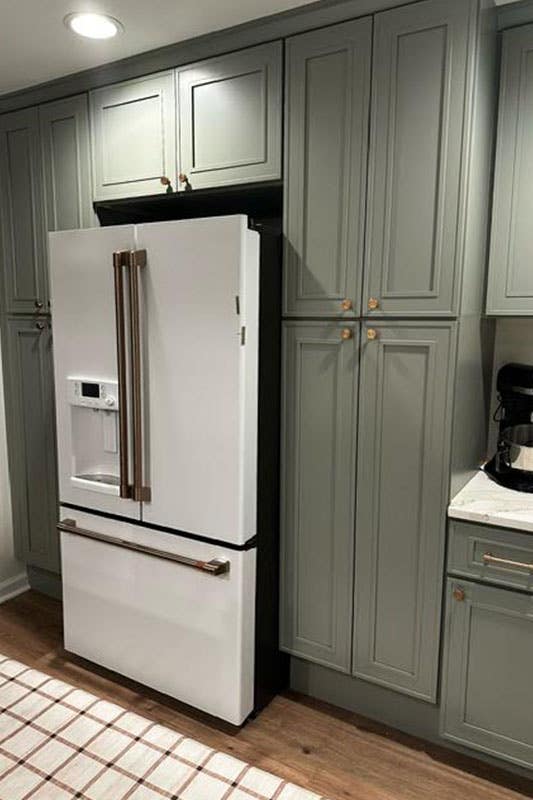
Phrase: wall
[13,578]
[514,342]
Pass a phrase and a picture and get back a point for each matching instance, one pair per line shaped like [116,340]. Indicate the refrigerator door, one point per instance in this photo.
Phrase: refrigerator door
[200,292]
[85,364]
[176,628]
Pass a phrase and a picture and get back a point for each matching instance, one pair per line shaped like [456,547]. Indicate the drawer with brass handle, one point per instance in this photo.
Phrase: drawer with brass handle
[493,555]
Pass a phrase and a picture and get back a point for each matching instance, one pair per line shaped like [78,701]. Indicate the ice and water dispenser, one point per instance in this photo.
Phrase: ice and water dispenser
[94,411]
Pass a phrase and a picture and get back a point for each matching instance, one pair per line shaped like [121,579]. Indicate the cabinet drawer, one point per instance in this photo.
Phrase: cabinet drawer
[472,548]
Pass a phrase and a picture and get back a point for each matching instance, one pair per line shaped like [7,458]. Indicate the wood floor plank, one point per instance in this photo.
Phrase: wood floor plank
[327,750]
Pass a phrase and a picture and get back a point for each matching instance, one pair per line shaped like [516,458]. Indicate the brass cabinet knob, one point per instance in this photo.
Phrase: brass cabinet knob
[346,333]
[347,304]
[38,304]
[371,334]
[373,304]
[40,326]
[459,594]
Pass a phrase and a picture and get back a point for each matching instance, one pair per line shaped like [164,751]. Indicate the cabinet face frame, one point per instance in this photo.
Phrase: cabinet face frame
[470,609]
[400,194]
[159,89]
[510,250]
[341,51]
[261,65]
[36,543]
[317,597]
[22,217]
[398,571]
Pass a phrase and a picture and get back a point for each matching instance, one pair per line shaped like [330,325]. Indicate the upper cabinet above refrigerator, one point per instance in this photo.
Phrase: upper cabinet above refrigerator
[510,284]
[416,143]
[230,111]
[133,136]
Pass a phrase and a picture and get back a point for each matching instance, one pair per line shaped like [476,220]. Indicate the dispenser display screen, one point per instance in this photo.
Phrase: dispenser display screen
[90,390]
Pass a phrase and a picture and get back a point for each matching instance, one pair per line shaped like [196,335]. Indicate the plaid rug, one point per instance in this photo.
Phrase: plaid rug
[59,742]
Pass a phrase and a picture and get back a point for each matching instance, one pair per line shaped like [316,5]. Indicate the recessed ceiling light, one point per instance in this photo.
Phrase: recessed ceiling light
[93,26]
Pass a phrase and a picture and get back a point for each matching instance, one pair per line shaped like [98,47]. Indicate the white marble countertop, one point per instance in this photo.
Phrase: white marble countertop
[484,500]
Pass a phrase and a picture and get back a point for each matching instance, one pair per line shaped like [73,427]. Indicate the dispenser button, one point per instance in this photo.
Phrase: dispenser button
[110,401]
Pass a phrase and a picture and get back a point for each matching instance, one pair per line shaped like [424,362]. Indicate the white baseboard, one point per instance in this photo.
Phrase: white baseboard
[13,586]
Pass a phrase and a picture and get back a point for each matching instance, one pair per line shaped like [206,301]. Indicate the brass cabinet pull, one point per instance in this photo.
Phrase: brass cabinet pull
[347,304]
[136,260]
[214,567]
[371,334]
[120,260]
[373,304]
[488,558]
[459,594]
[346,334]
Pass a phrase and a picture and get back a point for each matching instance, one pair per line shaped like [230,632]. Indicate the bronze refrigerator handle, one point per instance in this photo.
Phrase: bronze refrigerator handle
[215,566]
[136,260]
[120,260]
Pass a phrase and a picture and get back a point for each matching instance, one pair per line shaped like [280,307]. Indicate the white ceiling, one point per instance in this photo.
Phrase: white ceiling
[35,46]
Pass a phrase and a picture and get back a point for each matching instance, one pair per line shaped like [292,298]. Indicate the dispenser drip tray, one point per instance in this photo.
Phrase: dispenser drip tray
[100,477]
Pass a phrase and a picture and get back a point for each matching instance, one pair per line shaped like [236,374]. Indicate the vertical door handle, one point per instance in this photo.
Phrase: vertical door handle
[120,260]
[136,260]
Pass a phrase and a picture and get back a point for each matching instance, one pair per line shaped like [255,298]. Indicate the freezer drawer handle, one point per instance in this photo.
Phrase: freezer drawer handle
[216,566]
[488,558]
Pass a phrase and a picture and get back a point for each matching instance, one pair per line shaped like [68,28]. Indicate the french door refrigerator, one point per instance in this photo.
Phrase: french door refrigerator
[166,353]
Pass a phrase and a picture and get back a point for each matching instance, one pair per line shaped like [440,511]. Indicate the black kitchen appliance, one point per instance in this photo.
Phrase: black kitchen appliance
[512,465]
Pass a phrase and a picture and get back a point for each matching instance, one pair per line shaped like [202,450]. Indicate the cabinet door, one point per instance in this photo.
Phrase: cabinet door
[318,488]
[31,440]
[402,488]
[66,164]
[230,111]
[328,82]
[510,286]
[417,123]
[21,213]
[134,136]
[487,691]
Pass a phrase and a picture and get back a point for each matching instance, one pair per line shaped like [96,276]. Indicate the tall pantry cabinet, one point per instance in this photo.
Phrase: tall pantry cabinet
[45,178]
[384,389]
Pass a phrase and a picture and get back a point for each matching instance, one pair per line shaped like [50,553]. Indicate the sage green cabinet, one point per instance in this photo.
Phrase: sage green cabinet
[230,112]
[487,691]
[23,254]
[417,126]
[406,390]
[318,480]
[65,147]
[133,136]
[326,135]
[27,348]
[510,285]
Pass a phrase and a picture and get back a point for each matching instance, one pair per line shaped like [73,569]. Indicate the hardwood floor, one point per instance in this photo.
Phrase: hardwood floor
[322,748]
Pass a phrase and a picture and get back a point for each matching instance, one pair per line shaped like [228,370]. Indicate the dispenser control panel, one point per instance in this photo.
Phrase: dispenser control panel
[90,393]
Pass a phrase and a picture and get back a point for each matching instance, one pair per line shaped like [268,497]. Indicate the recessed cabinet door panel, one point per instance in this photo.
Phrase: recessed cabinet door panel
[487,692]
[66,164]
[418,100]
[510,287]
[31,440]
[134,137]
[404,430]
[328,81]
[21,212]
[318,488]
[230,117]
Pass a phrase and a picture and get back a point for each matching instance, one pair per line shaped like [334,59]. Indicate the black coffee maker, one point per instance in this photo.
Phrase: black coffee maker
[512,466]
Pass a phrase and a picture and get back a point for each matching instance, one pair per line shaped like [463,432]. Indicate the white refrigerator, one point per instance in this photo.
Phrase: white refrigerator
[166,337]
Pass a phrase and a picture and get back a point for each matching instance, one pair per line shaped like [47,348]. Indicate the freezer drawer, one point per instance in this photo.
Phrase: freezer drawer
[172,626]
